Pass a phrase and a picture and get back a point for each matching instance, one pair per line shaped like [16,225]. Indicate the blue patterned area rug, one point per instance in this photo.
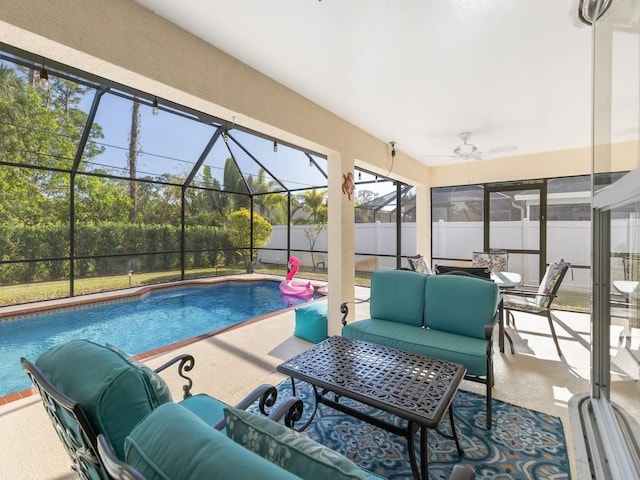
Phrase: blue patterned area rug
[523,444]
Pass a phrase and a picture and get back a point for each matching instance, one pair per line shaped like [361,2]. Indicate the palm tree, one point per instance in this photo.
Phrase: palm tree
[314,203]
[10,83]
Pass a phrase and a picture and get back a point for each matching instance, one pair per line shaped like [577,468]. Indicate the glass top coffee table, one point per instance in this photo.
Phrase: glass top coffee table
[412,387]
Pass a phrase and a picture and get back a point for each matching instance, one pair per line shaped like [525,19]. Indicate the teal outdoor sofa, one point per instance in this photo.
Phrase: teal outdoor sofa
[448,317]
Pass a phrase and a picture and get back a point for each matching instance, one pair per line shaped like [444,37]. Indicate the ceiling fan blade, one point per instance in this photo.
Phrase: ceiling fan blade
[504,149]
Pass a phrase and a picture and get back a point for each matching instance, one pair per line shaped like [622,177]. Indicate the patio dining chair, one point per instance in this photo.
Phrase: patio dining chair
[89,389]
[493,260]
[480,272]
[419,264]
[540,301]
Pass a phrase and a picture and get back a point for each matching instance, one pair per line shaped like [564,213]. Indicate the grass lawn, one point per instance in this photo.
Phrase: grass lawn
[24,293]
[31,292]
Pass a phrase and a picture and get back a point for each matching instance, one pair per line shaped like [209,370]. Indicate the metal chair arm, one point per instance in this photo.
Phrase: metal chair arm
[290,409]
[116,468]
[266,395]
[344,309]
[527,293]
[490,327]
[186,363]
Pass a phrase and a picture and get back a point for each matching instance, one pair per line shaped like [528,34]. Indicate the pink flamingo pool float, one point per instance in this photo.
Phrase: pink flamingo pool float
[289,286]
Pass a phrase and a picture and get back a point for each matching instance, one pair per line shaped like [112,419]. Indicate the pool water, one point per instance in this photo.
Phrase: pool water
[138,325]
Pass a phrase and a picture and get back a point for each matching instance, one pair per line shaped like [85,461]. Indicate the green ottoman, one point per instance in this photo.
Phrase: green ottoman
[311,322]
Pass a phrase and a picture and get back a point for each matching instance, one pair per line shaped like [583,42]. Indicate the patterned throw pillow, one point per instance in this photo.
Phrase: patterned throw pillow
[289,449]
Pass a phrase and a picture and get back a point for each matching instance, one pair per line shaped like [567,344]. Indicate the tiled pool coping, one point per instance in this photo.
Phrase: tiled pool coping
[128,294]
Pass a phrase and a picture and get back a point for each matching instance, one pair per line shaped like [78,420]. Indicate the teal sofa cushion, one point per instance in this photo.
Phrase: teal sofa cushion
[459,304]
[158,386]
[398,296]
[172,443]
[205,407]
[114,392]
[289,449]
[311,321]
[468,351]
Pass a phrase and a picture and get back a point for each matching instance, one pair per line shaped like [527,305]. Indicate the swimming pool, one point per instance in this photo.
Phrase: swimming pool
[136,325]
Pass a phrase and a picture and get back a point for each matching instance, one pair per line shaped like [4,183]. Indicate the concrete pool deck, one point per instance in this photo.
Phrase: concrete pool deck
[229,365]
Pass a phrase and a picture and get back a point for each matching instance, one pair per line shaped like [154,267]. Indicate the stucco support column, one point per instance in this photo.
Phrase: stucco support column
[423,222]
[341,242]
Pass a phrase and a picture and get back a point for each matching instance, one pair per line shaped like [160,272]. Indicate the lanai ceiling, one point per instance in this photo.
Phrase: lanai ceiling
[514,73]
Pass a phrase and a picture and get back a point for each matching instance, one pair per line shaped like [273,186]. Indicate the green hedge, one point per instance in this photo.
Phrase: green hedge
[52,241]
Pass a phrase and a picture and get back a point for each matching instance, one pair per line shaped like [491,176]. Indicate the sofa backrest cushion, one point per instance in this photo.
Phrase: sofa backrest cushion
[171,443]
[460,304]
[398,296]
[114,391]
[293,451]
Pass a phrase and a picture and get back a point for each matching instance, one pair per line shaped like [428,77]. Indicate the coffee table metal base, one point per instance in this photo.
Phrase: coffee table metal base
[407,432]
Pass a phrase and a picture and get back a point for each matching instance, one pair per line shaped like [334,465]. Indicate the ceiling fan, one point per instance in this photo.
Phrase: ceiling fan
[468,151]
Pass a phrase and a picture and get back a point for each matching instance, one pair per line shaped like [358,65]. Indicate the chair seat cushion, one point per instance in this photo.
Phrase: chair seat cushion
[468,351]
[293,451]
[114,392]
[523,304]
[172,443]
[205,407]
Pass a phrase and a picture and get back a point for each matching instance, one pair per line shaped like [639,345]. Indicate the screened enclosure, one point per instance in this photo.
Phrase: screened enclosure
[104,187]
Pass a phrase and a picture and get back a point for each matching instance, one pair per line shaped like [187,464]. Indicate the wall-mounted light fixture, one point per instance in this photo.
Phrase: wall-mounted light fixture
[154,106]
[44,77]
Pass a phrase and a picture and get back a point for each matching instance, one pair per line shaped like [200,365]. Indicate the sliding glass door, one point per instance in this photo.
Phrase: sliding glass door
[611,413]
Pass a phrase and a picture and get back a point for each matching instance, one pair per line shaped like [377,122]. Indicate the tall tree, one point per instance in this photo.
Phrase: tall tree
[314,204]
[44,136]
[132,157]
[234,182]
[239,228]
[10,84]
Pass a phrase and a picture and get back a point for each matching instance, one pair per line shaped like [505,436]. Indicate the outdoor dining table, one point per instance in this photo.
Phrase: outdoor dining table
[625,287]
[505,281]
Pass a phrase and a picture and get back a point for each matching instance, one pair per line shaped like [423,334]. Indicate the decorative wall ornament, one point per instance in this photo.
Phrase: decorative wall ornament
[348,186]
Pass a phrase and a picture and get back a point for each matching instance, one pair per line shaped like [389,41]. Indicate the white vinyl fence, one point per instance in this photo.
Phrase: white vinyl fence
[566,240]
